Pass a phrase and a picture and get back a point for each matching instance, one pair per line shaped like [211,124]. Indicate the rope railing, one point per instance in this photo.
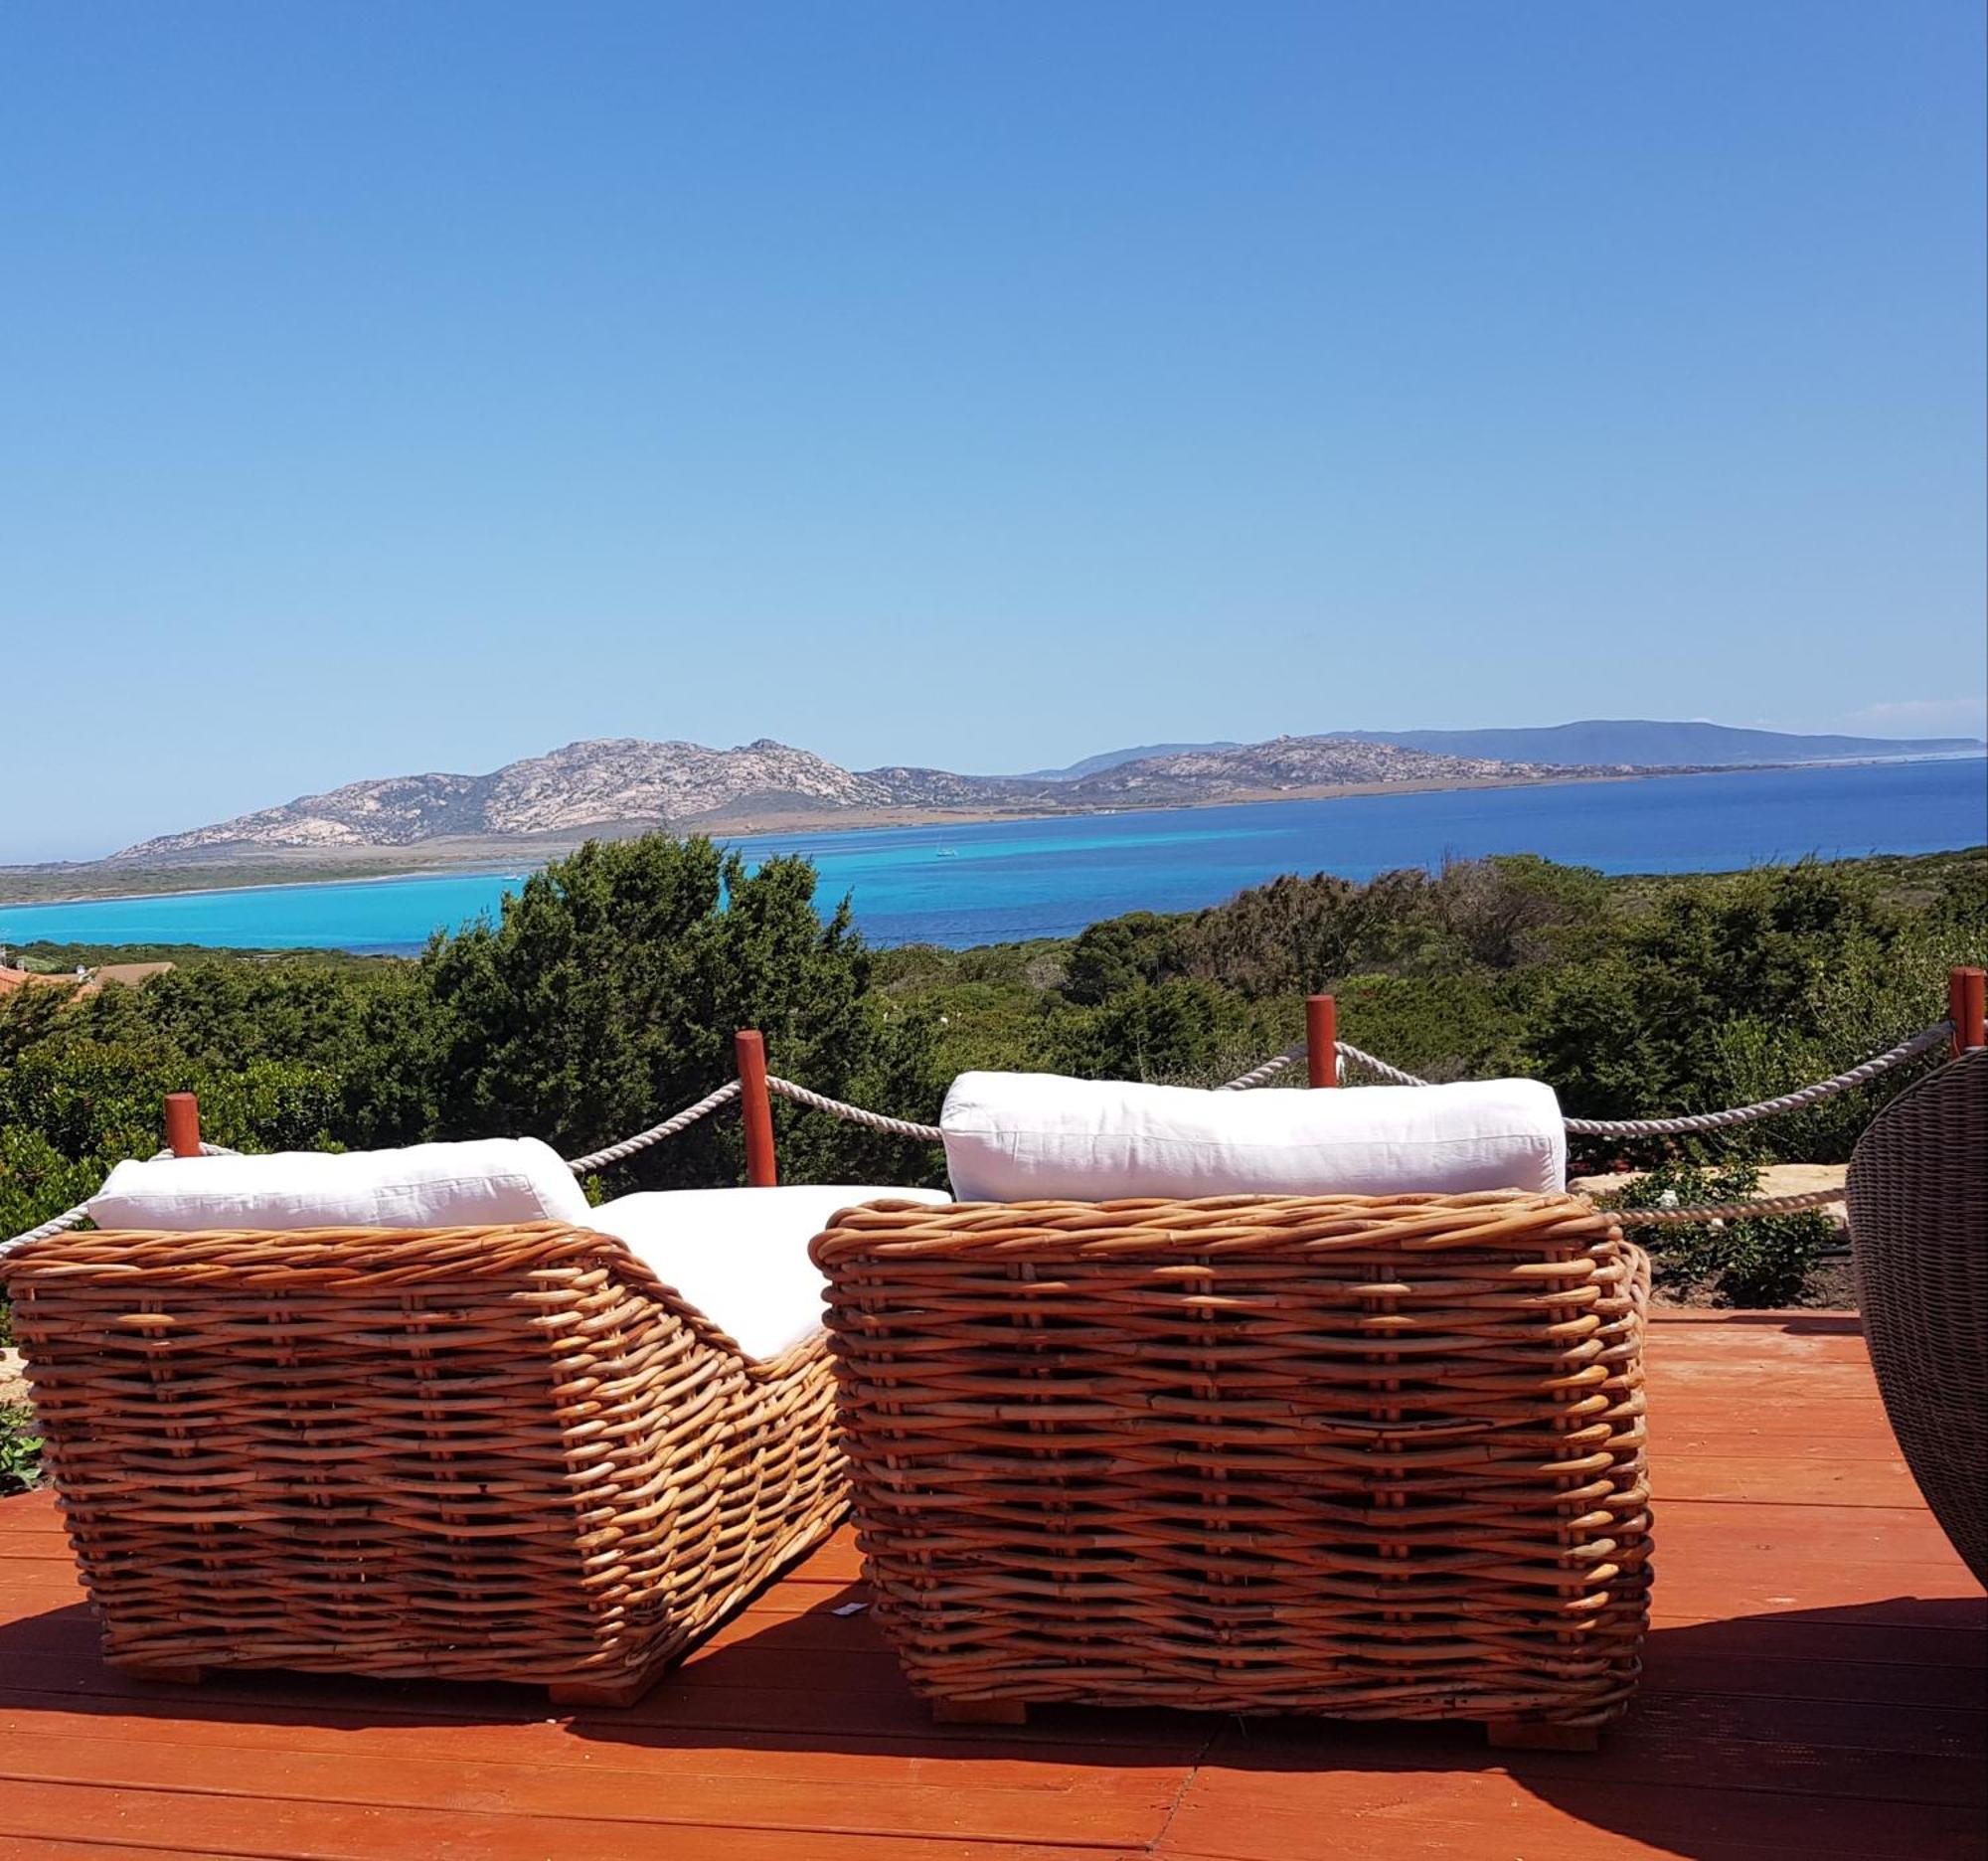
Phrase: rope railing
[1682,1213]
[54,1224]
[781,1088]
[656,1133]
[1903,1053]
[1906,1052]
[1264,1074]
[851,1114]
[1347,1050]
[1849,1079]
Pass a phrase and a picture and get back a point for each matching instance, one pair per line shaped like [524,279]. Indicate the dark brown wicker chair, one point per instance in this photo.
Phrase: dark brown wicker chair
[473,1453]
[1367,1458]
[1919,1232]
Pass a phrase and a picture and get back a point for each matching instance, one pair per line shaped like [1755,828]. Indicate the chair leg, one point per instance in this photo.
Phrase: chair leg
[612,1693]
[1540,1735]
[987,1712]
[161,1673]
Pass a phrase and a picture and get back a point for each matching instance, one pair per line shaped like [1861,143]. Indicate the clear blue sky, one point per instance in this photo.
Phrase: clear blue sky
[392,388]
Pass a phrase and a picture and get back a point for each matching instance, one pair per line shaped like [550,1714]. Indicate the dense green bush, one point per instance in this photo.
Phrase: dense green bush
[1729,991]
[73,1105]
[607,996]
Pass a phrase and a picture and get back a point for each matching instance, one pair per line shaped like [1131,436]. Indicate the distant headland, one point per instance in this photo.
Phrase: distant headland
[541,805]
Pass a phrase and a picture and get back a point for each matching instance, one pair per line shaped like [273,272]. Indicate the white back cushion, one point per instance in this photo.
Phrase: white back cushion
[740,1256]
[1034,1136]
[490,1183]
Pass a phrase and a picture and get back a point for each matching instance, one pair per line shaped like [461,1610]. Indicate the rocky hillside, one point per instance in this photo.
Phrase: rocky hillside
[1289,762]
[585,784]
[625,781]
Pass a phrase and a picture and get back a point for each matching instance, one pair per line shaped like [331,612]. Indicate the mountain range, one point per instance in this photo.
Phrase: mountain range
[622,784]
[1645,742]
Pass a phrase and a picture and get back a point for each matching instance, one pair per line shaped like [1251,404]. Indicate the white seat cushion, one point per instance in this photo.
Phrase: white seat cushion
[492,1182]
[740,1256]
[1034,1136]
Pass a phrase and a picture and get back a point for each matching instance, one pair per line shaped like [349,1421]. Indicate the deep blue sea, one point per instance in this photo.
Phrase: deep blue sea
[1005,880]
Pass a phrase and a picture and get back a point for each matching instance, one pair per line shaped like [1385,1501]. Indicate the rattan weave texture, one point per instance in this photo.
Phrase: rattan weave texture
[1917,1196]
[1370,1458]
[474,1453]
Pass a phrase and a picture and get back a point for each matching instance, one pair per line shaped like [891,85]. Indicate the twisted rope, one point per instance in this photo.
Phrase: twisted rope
[854,1114]
[54,1224]
[1348,1051]
[1903,1054]
[689,1116]
[1263,1075]
[1727,1211]
[1900,1054]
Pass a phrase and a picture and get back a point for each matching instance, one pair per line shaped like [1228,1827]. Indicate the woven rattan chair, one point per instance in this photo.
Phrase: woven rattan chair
[1368,1457]
[502,1453]
[1919,1232]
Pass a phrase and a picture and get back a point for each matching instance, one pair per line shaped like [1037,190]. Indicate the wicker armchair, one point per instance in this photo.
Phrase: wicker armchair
[1919,1234]
[504,1454]
[1367,1458]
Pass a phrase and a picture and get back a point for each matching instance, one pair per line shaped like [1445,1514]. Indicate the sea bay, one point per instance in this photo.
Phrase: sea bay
[995,881]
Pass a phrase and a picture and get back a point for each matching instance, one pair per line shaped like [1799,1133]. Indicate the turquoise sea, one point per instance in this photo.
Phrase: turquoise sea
[1004,880]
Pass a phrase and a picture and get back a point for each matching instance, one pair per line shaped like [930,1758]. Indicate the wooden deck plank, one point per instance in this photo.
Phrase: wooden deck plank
[1102,1805]
[1677,1718]
[999,1763]
[1817,1674]
[1746,1588]
[1797,1677]
[839,1722]
[1704,1744]
[1493,1818]
[1760,1473]
[50,1848]
[1810,1429]
[309,1832]
[1875,1538]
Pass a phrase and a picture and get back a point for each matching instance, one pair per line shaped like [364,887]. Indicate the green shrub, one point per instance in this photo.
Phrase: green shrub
[1438,1027]
[20,1449]
[1179,1032]
[1753,1260]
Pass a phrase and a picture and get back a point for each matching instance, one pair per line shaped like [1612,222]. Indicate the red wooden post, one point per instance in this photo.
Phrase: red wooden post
[760,1170]
[1322,1040]
[183,1124]
[1967,1008]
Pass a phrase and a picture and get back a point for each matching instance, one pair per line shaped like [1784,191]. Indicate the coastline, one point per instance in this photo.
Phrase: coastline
[377,865]
[301,869]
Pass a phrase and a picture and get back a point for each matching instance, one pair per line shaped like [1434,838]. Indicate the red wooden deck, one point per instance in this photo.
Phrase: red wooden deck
[1817,1682]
